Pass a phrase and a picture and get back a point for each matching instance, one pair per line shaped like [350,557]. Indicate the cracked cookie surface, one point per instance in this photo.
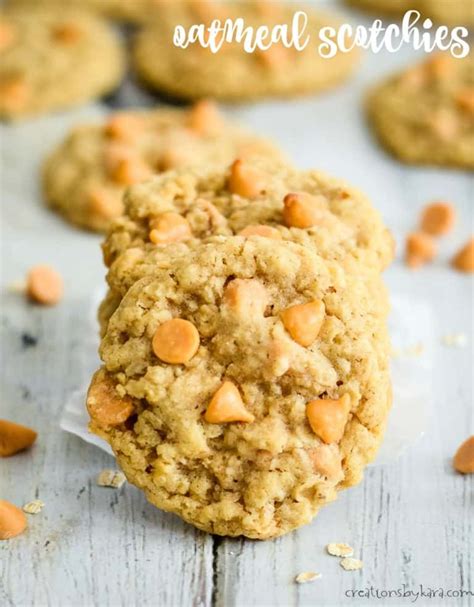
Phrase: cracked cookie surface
[52,60]
[84,179]
[425,114]
[259,422]
[232,73]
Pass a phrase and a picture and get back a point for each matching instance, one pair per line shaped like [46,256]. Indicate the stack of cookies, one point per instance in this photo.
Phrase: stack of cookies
[245,376]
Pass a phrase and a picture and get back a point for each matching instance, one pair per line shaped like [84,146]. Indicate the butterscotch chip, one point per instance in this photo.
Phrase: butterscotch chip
[438,218]
[14,94]
[414,78]
[174,157]
[116,152]
[279,357]
[7,34]
[247,298]
[130,170]
[204,117]
[261,230]
[105,406]
[303,321]
[227,406]
[245,180]
[465,99]
[326,461]
[274,58]
[464,459]
[67,33]
[124,126]
[176,341]
[15,438]
[444,124]
[169,227]
[439,66]
[302,210]
[464,259]
[420,248]
[104,203]
[328,417]
[44,285]
[12,520]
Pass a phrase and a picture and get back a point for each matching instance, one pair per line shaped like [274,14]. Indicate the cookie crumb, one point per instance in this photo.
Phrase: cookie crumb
[307,577]
[454,340]
[33,507]
[111,478]
[343,550]
[350,564]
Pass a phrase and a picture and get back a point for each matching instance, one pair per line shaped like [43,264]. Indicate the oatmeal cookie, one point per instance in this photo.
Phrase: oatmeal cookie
[244,384]
[85,177]
[454,12]
[394,7]
[425,115]
[255,196]
[53,60]
[122,10]
[451,12]
[231,73]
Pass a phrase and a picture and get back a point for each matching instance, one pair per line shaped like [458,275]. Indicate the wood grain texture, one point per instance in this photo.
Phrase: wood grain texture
[411,522]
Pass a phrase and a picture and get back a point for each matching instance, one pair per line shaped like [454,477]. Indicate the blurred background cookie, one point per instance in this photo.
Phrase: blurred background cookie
[426,113]
[232,73]
[52,60]
[86,176]
[123,10]
[451,12]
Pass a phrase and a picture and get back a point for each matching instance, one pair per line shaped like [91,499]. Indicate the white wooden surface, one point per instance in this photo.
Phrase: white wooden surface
[411,521]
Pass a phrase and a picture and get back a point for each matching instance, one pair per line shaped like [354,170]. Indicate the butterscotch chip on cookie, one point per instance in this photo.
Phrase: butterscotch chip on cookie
[52,60]
[216,388]
[85,177]
[232,73]
[425,115]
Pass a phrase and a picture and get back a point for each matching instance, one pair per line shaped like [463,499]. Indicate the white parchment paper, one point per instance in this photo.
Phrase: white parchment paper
[412,332]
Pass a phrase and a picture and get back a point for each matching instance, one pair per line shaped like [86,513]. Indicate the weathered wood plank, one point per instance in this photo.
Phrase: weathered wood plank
[90,545]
